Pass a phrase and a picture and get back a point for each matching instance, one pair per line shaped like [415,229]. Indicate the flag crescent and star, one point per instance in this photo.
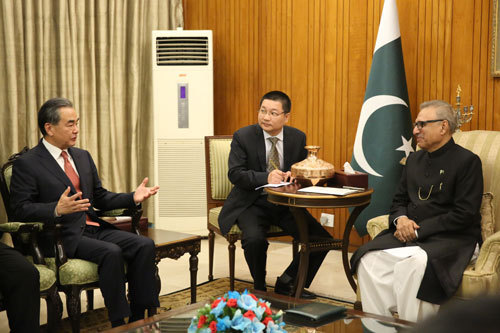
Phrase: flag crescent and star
[384,132]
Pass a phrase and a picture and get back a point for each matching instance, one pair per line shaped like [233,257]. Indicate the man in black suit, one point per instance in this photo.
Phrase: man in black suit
[264,153]
[20,289]
[434,224]
[57,183]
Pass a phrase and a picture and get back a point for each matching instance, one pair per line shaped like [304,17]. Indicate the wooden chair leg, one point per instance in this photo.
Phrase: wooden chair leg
[73,305]
[90,299]
[211,243]
[54,309]
[295,248]
[231,248]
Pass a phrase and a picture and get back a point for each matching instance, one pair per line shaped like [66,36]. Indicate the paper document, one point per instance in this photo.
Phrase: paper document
[115,219]
[273,185]
[327,190]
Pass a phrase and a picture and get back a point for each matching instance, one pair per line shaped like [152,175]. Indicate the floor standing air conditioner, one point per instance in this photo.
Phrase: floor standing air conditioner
[183,115]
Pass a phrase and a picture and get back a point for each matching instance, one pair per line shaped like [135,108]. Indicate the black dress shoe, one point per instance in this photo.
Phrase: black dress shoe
[287,289]
[283,288]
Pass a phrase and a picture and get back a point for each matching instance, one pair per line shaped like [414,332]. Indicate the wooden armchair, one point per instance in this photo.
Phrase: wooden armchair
[24,237]
[483,276]
[217,150]
[72,275]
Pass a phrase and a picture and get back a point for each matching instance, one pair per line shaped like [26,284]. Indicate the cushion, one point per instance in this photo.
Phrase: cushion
[75,271]
[219,154]
[47,277]
[487,216]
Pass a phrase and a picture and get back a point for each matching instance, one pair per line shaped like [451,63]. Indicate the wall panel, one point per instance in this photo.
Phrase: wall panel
[319,52]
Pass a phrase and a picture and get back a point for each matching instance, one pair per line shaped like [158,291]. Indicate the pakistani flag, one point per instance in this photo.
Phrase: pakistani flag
[384,134]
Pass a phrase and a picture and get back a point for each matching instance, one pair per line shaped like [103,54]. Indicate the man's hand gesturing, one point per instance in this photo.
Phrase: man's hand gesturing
[142,192]
[71,204]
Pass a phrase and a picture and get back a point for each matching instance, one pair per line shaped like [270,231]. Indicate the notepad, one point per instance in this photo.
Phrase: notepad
[273,185]
[327,190]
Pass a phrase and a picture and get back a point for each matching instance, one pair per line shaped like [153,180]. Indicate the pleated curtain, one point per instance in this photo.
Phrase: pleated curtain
[96,53]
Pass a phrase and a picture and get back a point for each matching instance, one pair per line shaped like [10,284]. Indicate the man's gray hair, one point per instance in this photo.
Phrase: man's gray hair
[49,112]
[443,111]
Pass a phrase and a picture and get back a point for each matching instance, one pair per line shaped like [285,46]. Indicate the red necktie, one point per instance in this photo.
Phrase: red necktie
[75,180]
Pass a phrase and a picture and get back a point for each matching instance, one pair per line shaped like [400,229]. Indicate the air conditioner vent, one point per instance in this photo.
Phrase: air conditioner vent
[182,51]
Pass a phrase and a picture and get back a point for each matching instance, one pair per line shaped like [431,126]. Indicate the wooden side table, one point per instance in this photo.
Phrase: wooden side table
[297,201]
[173,245]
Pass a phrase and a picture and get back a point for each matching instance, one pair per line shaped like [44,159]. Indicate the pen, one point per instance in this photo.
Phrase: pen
[354,188]
[274,165]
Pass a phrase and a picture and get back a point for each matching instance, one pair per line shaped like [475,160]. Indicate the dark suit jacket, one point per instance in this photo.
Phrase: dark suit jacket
[247,168]
[450,182]
[38,182]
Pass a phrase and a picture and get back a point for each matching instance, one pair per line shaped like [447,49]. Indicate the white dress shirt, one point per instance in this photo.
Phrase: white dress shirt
[56,154]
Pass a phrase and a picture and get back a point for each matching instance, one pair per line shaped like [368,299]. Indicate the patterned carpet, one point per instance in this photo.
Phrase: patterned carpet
[97,320]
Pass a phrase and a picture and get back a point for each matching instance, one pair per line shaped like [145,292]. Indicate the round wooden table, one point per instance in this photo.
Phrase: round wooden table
[297,201]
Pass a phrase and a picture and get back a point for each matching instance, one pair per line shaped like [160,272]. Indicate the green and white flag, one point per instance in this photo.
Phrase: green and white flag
[384,134]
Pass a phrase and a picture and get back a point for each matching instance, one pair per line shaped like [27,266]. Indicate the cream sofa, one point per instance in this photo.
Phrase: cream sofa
[483,276]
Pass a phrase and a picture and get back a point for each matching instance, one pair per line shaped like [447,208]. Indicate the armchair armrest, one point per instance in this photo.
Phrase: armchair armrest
[20,227]
[377,224]
[134,213]
[488,261]
[25,238]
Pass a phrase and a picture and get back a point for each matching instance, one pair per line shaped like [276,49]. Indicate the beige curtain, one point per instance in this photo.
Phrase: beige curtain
[97,53]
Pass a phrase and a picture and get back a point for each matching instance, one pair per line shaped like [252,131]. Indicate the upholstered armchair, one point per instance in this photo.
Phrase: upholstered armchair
[72,275]
[24,237]
[217,150]
[483,276]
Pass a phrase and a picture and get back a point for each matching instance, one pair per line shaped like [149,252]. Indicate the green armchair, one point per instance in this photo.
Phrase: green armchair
[483,276]
[217,150]
[72,275]
[24,237]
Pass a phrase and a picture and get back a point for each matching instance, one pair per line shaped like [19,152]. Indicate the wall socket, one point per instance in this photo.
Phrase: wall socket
[327,220]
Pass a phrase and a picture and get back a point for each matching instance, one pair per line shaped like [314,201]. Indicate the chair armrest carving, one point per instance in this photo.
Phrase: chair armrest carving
[377,224]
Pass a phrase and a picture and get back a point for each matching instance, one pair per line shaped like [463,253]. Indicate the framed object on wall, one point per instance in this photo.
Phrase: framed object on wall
[495,43]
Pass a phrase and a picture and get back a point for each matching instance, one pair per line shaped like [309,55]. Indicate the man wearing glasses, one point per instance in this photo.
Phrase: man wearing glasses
[434,224]
[260,154]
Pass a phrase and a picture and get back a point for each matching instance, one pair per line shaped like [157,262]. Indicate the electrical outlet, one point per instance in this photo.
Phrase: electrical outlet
[327,220]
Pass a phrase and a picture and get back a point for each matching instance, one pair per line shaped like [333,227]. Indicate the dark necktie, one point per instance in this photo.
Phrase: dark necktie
[75,180]
[274,157]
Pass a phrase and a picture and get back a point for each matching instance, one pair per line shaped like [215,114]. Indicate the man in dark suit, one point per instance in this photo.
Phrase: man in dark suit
[434,224]
[20,289]
[264,153]
[57,183]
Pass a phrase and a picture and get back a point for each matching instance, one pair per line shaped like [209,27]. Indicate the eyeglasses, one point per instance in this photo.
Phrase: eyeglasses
[421,124]
[273,114]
